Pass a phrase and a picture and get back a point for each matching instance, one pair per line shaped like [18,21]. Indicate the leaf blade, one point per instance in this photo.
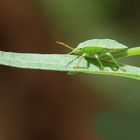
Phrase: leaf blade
[58,62]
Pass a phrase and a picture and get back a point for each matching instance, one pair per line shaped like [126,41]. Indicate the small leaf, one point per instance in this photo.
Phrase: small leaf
[58,62]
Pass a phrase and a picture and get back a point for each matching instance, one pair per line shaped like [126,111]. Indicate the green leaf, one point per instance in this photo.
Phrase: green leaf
[58,62]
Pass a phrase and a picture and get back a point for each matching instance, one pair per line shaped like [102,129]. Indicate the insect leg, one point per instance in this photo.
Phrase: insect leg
[99,61]
[70,72]
[72,61]
[77,65]
[80,58]
[114,60]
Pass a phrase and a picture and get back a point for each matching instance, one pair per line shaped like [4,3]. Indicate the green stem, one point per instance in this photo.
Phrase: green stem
[133,51]
[125,53]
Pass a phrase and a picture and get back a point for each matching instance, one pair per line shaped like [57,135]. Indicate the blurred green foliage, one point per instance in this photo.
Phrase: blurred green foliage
[118,126]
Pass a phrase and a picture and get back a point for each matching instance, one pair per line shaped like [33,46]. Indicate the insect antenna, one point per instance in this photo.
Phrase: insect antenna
[63,44]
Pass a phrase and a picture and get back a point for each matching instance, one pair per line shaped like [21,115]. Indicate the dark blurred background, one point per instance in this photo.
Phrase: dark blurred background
[46,105]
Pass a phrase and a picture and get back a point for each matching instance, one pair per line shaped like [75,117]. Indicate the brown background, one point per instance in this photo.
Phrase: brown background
[39,104]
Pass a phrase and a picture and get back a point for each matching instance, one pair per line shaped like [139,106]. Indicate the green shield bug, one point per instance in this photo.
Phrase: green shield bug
[95,48]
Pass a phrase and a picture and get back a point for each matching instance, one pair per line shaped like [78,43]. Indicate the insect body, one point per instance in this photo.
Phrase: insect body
[95,48]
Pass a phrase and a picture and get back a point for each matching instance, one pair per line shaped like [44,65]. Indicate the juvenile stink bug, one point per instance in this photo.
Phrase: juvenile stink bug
[95,48]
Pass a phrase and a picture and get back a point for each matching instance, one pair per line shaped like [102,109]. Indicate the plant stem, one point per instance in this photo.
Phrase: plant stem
[133,51]
[124,53]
